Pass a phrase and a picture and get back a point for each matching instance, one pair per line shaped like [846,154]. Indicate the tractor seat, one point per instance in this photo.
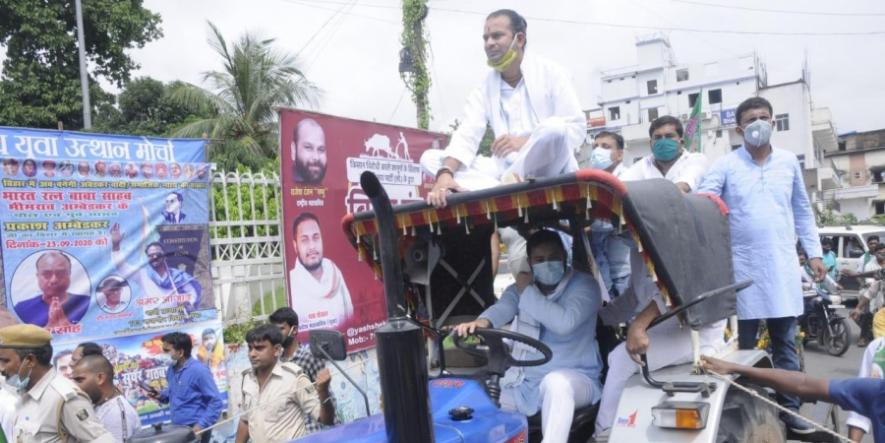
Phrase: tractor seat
[583,424]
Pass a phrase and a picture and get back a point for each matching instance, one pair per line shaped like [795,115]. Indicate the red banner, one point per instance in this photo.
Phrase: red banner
[322,157]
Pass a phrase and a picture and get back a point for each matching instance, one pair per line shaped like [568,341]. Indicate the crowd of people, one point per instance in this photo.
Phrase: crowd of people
[530,106]
[533,110]
[74,396]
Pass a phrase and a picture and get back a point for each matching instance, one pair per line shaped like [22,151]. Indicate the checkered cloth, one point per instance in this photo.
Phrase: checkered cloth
[312,365]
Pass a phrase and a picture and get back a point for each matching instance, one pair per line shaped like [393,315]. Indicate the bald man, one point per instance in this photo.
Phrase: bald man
[54,306]
[309,152]
[94,374]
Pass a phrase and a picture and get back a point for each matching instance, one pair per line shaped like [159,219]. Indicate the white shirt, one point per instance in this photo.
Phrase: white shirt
[873,288]
[689,169]
[116,415]
[323,303]
[548,93]
[516,109]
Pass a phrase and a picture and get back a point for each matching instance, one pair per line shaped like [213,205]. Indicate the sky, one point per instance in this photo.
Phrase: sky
[349,48]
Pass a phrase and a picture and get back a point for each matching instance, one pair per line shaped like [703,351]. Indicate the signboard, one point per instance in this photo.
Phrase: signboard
[727,117]
[322,158]
[105,238]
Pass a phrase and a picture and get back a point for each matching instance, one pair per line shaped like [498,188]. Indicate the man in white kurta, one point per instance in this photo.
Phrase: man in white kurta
[319,293]
[532,108]
[668,343]
[669,159]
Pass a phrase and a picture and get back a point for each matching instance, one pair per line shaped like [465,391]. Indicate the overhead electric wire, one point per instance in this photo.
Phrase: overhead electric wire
[643,27]
[783,11]
[317,5]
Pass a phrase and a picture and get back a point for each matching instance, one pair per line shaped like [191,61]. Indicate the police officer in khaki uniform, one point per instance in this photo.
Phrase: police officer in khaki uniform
[52,409]
[278,397]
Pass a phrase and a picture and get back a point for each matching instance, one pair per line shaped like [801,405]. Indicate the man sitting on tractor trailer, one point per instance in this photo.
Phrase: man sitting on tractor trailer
[531,106]
[558,306]
[669,344]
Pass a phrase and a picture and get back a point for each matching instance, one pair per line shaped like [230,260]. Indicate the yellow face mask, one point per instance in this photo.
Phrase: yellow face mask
[506,60]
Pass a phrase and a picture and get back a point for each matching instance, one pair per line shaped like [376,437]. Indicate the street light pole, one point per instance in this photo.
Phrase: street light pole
[84,78]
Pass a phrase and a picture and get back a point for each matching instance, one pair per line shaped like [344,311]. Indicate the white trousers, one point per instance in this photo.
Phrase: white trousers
[668,345]
[545,154]
[562,391]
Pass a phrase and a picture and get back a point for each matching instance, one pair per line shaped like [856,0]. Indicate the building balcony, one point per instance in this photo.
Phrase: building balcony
[870,191]
[823,131]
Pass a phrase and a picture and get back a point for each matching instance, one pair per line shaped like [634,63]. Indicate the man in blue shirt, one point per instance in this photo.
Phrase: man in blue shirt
[768,210]
[191,392]
[866,396]
[557,306]
[829,258]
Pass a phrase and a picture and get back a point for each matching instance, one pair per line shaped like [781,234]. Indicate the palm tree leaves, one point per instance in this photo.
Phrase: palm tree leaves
[255,80]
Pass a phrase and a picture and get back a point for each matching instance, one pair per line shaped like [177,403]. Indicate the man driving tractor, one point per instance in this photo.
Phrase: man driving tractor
[558,306]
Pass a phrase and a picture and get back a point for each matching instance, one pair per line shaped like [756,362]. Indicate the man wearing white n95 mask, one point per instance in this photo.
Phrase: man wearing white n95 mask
[531,107]
[768,210]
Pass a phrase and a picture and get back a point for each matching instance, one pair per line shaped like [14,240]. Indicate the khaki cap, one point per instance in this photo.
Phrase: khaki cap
[24,336]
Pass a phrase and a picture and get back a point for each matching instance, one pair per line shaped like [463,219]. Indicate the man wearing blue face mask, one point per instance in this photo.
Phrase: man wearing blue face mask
[768,210]
[530,105]
[558,306]
[668,158]
[610,249]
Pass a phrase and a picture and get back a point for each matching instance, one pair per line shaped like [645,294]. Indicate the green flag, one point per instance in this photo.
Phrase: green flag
[693,126]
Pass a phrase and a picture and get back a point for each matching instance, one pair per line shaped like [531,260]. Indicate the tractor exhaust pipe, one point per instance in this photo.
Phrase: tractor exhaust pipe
[400,343]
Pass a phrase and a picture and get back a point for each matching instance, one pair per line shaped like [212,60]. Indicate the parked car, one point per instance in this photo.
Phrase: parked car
[850,244]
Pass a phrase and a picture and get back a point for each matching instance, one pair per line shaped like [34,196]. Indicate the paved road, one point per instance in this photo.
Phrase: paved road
[820,364]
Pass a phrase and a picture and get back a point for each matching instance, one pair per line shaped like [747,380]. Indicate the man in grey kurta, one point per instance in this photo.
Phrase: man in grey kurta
[768,210]
[559,307]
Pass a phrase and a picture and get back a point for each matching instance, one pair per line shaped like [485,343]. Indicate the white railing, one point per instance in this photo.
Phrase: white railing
[246,244]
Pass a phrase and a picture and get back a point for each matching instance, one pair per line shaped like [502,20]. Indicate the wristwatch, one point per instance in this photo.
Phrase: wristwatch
[444,170]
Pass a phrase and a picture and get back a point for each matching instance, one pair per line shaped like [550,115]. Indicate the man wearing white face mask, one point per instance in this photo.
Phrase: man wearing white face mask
[768,210]
[558,306]
[532,108]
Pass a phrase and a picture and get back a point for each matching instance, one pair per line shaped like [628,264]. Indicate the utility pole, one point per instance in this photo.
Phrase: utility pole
[413,58]
[84,77]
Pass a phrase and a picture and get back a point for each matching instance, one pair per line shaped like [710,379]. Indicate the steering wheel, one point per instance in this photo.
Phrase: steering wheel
[498,355]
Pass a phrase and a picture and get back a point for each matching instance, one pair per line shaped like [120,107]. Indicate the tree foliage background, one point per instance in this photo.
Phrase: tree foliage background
[40,84]
[242,98]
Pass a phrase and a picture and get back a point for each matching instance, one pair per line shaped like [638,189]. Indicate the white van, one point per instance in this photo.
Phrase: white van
[850,244]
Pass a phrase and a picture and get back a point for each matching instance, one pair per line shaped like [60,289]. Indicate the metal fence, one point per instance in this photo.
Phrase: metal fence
[248,270]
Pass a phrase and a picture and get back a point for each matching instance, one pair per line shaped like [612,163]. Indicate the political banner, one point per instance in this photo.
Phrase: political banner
[322,157]
[139,359]
[104,235]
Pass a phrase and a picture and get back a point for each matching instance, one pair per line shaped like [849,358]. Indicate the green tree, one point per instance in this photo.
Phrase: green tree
[243,96]
[413,58]
[41,78]
[146,107]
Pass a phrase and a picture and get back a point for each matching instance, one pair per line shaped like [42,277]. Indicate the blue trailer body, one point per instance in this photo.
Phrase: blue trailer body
[487,425]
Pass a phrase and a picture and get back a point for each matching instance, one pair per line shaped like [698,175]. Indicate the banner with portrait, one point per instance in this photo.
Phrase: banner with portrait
[322,157]
[104,235]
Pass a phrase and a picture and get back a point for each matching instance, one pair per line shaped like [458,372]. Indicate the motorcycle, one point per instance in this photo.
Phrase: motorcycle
[820,322]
